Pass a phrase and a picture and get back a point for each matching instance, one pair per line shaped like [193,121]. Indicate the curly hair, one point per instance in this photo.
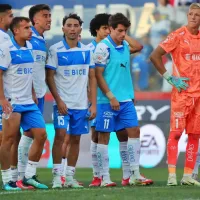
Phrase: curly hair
[72,16]
[98,21]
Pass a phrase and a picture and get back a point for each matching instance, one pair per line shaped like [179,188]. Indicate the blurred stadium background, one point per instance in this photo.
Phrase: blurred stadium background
[151,22]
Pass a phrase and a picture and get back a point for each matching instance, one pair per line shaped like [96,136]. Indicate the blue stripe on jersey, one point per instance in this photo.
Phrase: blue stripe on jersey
[38,44]
[73,58]
[21,56]
[50,67]
[3,68]
[67,46]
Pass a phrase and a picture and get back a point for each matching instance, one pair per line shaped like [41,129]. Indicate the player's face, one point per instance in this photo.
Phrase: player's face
[6,18]
[119,33]
[194,18]
[103,32]
[72,29]
[43,19]
[23,31]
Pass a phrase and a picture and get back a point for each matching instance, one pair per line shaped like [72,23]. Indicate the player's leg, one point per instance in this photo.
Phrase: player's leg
[9,133]
[123,140]
[193,130]
[93,150]
[65,148]
[33,121]
[128,117]
[23,149]
[60,124]
[78,125]
[178,116]
[14,155]
[196,167]
[105,123]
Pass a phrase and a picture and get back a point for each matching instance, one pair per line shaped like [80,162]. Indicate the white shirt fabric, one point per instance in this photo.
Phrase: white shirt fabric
[17,64]
[40,56]
[72,69]
[4,37]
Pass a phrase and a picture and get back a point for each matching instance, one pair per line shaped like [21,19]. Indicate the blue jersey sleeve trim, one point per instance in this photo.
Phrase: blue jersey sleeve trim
[92,66]
[99,65]
[50,67]
[3,68]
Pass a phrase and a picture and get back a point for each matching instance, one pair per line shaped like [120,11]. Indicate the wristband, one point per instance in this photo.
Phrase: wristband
[110,95]
[166,75]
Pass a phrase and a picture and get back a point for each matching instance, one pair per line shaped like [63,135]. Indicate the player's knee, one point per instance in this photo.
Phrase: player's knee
[75,140]
[103,138]
[8,140]
[194,136]
[175,135]
[41,136]
[94,136]
[59,139]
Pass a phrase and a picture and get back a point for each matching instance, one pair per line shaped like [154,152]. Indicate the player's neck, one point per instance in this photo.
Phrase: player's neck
[3,28]
[98,39]
[71,43]
[39,29]
[116,41]
[21,42]
[193,31]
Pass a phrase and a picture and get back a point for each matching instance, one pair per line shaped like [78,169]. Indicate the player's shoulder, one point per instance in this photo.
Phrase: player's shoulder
[57,46]
[102,45]
[8,45]
[91,46]
[180,32]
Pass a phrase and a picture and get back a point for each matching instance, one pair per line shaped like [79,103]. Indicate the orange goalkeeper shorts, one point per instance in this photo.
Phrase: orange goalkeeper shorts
[185,113]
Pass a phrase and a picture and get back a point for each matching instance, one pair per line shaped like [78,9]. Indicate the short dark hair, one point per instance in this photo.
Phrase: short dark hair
[72,16]
[35,9]
[98,21]
[5,7]
[117,19]
[15,22]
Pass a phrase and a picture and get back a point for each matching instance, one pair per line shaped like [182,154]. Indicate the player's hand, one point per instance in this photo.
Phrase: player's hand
[178,82]
[93,112]
[35,99]
[62,107]
[114,104]
[6,106]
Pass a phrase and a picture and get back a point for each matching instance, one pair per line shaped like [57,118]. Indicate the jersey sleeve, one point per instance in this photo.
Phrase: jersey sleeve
[52,60]
[171,42]
[5,58]
[101,55]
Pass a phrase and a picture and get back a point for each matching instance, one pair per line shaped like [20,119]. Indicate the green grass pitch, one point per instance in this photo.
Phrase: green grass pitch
[158,191]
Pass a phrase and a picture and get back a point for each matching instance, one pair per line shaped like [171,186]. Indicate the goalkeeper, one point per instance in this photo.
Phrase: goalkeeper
[184,47]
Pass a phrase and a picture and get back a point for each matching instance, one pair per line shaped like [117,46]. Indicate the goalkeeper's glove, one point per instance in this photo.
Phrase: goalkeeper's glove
[178,82]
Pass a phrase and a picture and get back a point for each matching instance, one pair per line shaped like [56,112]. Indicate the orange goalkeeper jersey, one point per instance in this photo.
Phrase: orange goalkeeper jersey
[185,51]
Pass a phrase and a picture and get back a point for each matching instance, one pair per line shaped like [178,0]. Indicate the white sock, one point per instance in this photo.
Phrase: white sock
[65,167]
[125,160]
[93,151]
[196,167]
[23,149]
[14,173]
[31,169]
[62,167]
[6,176]
[56,170]
[70,171]
[103,161]
[134,155]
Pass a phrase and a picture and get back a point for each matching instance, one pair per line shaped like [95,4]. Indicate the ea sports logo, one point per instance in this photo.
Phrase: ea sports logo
[153,145]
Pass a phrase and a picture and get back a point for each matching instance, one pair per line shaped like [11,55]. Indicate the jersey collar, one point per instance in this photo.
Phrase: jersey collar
[119,47]
[67,46]
[94,43]
[36,32]
[15,43]
[3,30]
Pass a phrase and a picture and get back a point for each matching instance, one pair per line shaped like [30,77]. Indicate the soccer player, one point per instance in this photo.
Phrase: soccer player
[184,47]
[16,99]
[40,16]
[69,67]
[99,29]
[114,98]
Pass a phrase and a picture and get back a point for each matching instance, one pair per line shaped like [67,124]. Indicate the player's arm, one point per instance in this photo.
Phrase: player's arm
[134,45]
[92,93]
[156,58]
[4,64]
[50,72]
[34,95]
